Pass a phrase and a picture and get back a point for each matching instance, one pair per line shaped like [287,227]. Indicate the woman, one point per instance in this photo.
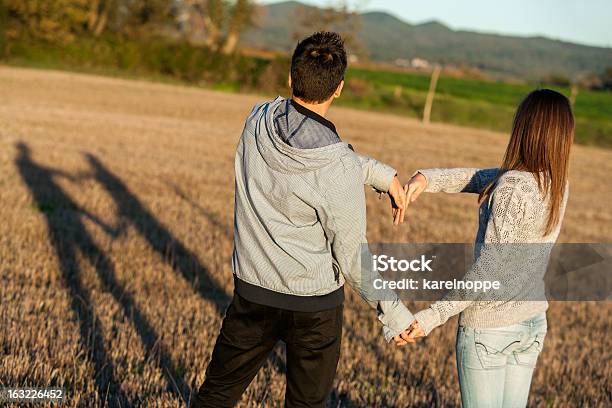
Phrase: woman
[523,202]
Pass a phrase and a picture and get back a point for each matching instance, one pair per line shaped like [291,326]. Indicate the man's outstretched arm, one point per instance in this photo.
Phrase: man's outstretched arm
[383,178]
[376,174]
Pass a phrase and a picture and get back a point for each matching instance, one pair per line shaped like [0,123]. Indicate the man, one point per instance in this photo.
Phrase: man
[300,223]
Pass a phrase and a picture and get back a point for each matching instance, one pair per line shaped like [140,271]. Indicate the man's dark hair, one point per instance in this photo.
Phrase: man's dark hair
[317,66]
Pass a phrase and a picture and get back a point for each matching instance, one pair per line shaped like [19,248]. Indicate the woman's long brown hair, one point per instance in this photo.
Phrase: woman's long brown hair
[540,142]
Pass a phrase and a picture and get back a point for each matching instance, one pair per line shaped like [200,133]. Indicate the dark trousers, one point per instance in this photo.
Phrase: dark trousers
[249,333]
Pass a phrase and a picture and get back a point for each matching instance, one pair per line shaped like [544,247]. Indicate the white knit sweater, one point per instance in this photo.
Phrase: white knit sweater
[510,247]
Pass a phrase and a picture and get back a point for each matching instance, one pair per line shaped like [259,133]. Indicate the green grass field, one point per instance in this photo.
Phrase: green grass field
[471,102]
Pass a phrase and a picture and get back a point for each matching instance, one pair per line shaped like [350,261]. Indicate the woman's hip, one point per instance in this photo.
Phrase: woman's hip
[489,348]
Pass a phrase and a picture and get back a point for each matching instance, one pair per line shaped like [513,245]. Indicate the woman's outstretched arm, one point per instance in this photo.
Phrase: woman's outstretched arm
[458,180]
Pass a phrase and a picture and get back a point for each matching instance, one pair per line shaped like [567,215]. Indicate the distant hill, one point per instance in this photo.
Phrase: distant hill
[388,38]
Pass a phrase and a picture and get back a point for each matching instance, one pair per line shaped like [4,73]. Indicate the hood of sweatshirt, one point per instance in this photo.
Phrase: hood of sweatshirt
[273,146]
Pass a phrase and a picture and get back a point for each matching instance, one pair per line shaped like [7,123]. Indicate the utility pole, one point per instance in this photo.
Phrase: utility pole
[574,93]
[431,93]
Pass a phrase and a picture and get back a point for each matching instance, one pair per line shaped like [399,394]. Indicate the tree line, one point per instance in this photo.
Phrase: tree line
[216,24]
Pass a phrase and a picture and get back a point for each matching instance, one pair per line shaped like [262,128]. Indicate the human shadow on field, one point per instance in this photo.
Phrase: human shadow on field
[69,236]
[170,248]
[211,216]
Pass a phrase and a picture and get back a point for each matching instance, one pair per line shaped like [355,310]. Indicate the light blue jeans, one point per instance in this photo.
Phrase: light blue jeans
[495,365]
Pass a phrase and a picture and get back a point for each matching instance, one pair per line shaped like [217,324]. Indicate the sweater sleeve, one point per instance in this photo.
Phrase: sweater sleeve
[343,218]
[376,174]
[458,180]
[495,257]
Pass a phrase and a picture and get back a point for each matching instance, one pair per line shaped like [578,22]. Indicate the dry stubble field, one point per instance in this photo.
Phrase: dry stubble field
[115,240]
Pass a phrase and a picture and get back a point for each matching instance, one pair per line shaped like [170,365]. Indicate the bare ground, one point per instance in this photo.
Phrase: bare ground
[115,239]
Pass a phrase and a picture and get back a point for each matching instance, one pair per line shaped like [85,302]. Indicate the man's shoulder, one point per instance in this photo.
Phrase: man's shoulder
[260,107]
[345,166]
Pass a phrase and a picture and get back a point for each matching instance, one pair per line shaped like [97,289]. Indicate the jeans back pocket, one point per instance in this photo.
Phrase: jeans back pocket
[528,355]
[493,347]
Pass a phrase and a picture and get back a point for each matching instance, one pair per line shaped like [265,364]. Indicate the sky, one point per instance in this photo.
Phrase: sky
[581,21]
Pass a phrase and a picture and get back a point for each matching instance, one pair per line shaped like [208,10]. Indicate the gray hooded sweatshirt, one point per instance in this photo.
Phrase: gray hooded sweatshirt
[300,215]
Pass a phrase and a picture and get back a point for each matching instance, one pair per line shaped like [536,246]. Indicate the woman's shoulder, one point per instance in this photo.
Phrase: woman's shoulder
[522,183]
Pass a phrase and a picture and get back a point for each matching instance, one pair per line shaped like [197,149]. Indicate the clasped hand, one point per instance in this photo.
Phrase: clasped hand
[402,197]
[409,335]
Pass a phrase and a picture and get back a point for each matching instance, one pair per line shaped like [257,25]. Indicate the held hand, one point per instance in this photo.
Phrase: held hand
[416,331]
[414,188]
[409,335]
[398,201]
